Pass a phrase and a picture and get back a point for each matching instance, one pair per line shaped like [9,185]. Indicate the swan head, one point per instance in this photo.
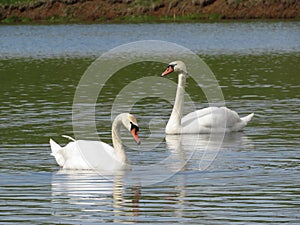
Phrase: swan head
[176,66]
[131,124]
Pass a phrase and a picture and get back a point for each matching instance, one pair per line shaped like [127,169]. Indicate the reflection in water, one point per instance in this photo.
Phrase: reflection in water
[88,191]
[200,150]
[80,193]
[76,192]
[83,194]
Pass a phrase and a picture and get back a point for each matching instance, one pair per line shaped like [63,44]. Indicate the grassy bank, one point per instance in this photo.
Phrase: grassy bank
[141,11]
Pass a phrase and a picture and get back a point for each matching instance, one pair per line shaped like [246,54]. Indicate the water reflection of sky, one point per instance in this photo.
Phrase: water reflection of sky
[204,38]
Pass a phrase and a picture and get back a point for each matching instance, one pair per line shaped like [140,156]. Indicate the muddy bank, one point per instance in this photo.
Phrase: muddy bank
[147,11]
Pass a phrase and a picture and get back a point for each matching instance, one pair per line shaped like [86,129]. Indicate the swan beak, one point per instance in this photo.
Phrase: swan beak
[170,69]
[135,135]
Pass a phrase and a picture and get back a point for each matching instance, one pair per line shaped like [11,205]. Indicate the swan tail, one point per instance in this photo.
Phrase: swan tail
[55,148]
[246,119]
[68,137]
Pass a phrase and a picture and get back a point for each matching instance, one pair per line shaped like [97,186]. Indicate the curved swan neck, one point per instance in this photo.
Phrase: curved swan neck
[174,124]
[116,139]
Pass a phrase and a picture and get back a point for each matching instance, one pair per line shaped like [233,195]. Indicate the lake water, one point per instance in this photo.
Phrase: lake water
[252,178]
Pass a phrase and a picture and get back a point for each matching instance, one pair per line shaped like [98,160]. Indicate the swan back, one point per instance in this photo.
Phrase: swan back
[82,154]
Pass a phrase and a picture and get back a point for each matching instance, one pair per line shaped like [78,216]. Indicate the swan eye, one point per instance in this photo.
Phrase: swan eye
[133,126]
[173,65]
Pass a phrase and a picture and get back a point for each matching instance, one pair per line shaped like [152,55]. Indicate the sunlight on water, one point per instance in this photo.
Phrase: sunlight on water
[252,180]
[92,40]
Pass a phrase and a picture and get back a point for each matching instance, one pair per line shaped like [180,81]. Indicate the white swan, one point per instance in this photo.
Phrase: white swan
[211,119]
[83,154]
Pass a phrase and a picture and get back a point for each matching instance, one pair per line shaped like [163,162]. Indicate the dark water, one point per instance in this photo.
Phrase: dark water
[254,178]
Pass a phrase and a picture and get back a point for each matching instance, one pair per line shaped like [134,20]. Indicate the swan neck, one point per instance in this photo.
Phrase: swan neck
[174,124]
[116,140]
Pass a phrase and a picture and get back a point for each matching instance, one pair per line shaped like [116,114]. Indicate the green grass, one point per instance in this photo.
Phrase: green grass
[215,17]
[183,18]
[136,19]
[12,19]
[150,18]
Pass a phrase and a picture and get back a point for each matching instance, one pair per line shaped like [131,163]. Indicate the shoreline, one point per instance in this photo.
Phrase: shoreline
[155,11]
[117,22]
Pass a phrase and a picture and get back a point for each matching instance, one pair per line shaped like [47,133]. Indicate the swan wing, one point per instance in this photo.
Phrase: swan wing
[83,154]
[72,157]
[211,119]
[191,117]
[98,154]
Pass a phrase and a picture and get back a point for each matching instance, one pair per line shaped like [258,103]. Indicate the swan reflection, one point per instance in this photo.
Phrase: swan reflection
[120,195]
[200,150]
[88,191]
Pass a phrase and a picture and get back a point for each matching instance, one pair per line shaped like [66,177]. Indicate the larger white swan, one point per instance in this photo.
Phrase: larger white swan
[207,120]
[83,154]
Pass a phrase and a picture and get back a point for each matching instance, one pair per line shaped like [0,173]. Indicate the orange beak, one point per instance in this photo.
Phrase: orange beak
[135,135]
[167,71]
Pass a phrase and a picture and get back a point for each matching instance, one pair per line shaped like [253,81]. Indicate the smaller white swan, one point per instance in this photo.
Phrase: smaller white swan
[83,154]
[211,119]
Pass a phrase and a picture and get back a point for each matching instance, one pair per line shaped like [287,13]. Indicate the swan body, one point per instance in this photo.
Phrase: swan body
[207,120]
[84,154]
